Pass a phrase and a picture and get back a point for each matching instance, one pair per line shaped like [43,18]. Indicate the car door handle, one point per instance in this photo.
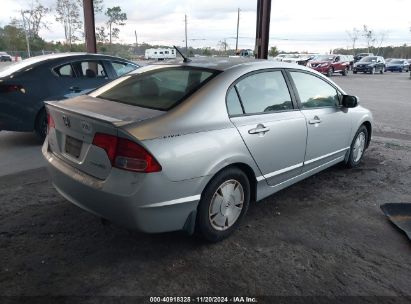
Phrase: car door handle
[315,120]
[260,129]
[75,89]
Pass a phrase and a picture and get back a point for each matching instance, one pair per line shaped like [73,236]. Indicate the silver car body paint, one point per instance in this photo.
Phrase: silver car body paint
[192,142]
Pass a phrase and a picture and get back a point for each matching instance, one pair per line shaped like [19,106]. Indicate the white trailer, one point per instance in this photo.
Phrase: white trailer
[160,54]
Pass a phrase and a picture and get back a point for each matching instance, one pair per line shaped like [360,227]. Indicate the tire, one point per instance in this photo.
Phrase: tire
[216,206]
[373,71]
[40,126]
[359,142]
[345,72]
[355,72]
[382,71]
[330,72]
[400,70]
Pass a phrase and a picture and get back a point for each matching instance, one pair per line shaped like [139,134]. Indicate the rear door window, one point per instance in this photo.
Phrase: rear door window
[91,69]
[65,71]
[264,92]
[160,89]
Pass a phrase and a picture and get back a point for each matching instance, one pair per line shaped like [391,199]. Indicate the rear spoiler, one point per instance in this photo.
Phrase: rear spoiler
[102,118]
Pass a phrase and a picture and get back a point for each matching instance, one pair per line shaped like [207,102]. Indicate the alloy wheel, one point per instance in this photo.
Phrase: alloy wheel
[226,205]
[359,147]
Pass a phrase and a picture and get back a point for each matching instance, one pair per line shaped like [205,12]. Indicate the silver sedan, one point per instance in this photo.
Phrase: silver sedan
[188,146]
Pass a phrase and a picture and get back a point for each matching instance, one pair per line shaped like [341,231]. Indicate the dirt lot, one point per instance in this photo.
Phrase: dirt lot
[323,236]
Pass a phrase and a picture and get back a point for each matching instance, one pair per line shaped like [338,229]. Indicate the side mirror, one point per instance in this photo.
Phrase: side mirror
[349,101]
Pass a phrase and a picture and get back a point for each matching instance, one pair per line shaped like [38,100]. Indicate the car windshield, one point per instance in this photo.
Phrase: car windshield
[324,58]
[159,89]
[397,61]
[369,59]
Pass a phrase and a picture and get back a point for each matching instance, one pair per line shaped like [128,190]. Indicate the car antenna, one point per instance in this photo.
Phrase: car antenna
[182,55]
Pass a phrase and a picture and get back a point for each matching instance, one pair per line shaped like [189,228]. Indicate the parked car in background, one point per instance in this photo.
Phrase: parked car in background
[5,57]
[279,57]
[359,56]
[245,53]
[399,65]
[330,64]
[291,58]
[203,133]
[305,58]
[370,64]
[26,84]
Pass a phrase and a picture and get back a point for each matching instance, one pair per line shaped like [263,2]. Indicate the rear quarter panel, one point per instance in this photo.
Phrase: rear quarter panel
[200,154]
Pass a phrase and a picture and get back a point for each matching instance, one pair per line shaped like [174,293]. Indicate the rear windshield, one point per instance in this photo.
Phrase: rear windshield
[15,67]
[160,89]
[397,61]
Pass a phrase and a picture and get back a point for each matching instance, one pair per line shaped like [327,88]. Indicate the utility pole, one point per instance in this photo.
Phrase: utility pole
[185,21]
[135,33]
[238,25]
[27,34]
[89,26]
[263,28]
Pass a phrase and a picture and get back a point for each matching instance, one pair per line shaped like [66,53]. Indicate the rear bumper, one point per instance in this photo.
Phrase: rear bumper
[145,202]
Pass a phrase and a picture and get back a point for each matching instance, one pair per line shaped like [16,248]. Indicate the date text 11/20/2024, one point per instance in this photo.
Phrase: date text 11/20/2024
[203,300]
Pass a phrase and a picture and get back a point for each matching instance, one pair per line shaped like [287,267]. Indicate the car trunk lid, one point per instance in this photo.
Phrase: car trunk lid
[75,123]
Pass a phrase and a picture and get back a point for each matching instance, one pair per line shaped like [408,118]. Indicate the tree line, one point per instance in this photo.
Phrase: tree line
[22,33]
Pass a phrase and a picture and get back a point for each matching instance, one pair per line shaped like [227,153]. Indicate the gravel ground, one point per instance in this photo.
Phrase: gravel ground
[324,236]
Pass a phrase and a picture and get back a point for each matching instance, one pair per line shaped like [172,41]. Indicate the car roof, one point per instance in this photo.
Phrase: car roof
[29,62]
[222,63]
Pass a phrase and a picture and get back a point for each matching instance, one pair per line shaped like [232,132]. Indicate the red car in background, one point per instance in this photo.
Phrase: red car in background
[330,64]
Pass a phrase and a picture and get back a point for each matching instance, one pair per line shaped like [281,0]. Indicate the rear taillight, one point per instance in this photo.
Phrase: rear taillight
[108,143]
[126,154]
[10,88]
[50,122]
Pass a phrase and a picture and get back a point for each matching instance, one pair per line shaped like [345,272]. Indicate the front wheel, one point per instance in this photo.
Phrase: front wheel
[224,202]
[345,72]
[330,72]
[358,146]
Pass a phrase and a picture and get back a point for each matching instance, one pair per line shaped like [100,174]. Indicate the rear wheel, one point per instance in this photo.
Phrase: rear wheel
[355,72]
[358,146]
[330,72]
[224,203]
[40,126]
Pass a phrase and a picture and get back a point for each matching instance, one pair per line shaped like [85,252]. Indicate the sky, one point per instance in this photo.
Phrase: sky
[311,26]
